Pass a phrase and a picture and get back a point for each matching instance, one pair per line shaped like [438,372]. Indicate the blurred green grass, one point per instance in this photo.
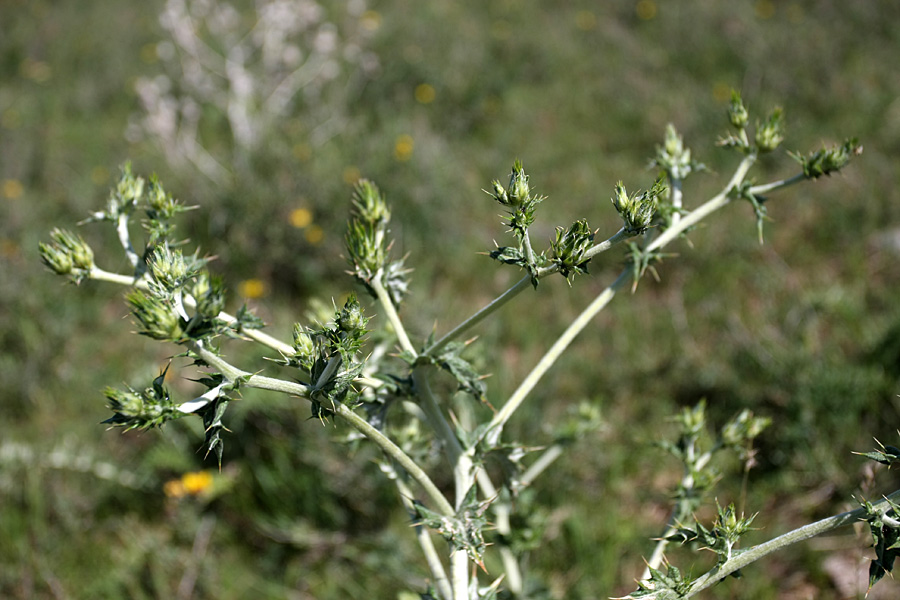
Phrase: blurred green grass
[802,329]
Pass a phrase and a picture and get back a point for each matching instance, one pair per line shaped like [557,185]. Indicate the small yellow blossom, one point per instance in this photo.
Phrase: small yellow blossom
[194,483]
[403,148]
[174,488]
[645,10]
[425,93]
[252,288]
[301,217]
[197,482]
[314,234]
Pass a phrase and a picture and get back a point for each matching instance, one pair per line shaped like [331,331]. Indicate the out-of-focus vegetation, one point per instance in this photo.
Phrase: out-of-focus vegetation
[803,329]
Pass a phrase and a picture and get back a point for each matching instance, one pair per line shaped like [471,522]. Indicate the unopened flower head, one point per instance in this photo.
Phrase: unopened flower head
[369,204]
[128,192]
[518,189]
[637,210]
[828,160]
[351,319]
[737,112]
[770,134]
[156,318]
[304,347]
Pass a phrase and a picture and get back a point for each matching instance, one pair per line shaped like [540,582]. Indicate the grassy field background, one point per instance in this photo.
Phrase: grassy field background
[804,329]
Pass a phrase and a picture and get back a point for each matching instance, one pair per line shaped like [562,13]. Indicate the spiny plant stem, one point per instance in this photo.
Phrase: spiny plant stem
[555,351]
[600,302]
[233,373]
[776,185]
[387,304]
[704,210]
[498,302]
[753,554]
[125,240]
[256,335]
[459,567]
[502,510]
[422,535]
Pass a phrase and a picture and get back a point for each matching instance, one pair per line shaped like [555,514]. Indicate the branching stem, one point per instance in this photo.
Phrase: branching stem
[233,373]
[498,302]
[753,554]
[388,305]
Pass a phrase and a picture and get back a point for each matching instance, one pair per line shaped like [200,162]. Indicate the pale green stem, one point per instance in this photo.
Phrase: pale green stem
[500,419]
[502,512]
[459,569]
[704,210]
[681,510]
[425,542]
[546,459]
[765,188]
[254,334]
[498,302]
[385,299]
[232,373]
[675,198]
[753,554]
[459,460]
[529,251]
[515,401]
[481,315]
[125,240]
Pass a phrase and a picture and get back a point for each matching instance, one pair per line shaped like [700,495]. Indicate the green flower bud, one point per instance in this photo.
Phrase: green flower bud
[737,113]
[365,249]
[350,319]
[570,246]
[827,161]
[162,205]
[304,347]
[209,294]
[770,134]
[500,193]
[141,410]
[156,319]
[168,267]
[67,254]
[674,158]
[57,259]
[637,210]
[518,188]
[369,204]
[130,189]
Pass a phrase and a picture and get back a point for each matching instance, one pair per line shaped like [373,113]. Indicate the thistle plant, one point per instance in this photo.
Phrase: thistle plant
[376,377]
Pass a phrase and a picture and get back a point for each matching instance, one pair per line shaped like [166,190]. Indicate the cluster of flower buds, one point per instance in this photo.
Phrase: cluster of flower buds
[141,410]
[674,158]
[570,247]
[328,356]
[67,254]
[769,134]
[828,160]
[518,199]
[638,209]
